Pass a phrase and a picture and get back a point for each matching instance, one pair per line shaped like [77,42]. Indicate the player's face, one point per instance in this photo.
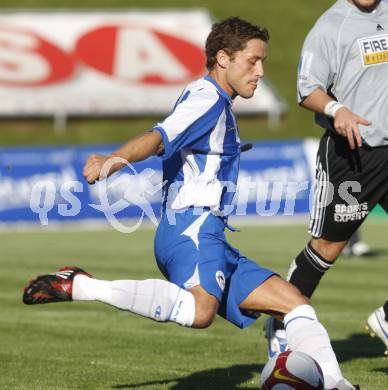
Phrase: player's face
[365,5]
[245,68]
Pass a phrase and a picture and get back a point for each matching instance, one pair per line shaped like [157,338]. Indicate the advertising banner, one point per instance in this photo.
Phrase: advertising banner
[45,185]
[106,63]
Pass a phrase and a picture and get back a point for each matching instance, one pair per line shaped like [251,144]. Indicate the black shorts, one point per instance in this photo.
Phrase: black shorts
[349,184]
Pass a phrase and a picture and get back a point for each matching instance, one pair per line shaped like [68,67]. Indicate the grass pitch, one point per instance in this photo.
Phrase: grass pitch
[93,346]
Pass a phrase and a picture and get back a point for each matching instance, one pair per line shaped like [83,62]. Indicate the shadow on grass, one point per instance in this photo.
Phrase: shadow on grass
[228,378]
[358,346]
[384,370]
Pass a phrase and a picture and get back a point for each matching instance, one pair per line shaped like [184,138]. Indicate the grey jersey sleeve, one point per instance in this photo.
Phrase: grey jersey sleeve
[317,61]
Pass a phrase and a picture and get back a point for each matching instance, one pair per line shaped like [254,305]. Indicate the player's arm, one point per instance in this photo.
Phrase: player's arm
[345,121]
[137,149]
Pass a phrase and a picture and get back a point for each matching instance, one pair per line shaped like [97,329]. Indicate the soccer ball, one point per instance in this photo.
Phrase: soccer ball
[292,370]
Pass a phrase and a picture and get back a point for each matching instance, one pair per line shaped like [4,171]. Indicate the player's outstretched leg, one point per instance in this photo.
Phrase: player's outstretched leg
[377,325]
[153,298]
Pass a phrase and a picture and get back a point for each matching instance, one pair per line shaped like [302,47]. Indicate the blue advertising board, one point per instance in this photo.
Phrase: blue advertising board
[279,177]
[43,184]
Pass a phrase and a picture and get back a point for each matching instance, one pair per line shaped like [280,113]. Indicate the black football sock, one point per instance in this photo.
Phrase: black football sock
[307,270]
[305,273]
[385,307]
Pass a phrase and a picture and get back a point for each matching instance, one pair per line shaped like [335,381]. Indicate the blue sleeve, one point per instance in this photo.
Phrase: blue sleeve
[191,119]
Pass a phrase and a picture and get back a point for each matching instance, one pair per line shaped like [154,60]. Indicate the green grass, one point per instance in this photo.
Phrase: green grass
[93,346]
[288,23]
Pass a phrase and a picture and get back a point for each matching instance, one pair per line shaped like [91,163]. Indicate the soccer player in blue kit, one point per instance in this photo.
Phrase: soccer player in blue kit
[200,148]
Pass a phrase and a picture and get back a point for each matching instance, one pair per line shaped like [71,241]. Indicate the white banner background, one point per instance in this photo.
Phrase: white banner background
[98,63]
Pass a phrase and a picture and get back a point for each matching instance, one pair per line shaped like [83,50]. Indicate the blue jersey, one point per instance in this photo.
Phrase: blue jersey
[200,165]
[201,149]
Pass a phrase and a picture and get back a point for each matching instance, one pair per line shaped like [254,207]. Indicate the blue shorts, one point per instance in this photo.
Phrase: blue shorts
[194,251]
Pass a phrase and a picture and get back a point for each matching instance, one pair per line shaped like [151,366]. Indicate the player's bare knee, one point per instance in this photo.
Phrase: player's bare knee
[205,312]
[203,319]
[329,250]
[206,307]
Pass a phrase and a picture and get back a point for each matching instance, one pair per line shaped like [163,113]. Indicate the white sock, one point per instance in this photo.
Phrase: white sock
[153,298]
[86,288]
[306,334]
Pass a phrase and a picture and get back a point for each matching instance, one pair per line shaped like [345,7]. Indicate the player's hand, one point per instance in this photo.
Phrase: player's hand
[94,165]
[346,124]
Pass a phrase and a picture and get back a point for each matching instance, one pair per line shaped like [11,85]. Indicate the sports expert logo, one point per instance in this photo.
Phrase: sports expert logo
[346,213]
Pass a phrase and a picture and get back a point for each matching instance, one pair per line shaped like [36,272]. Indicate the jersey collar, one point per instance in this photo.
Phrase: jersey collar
[219,88]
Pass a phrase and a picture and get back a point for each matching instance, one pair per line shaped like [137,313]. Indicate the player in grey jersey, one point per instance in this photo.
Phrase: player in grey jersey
[343,78]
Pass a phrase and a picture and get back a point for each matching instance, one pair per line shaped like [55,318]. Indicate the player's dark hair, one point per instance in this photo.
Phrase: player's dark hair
[231,35]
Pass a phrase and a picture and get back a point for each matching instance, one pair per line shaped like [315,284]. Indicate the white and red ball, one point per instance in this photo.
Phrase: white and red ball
[292,370]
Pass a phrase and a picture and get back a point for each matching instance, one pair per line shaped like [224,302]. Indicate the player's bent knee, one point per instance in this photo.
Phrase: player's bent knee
[205,312]
[206,307]
[203,320]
